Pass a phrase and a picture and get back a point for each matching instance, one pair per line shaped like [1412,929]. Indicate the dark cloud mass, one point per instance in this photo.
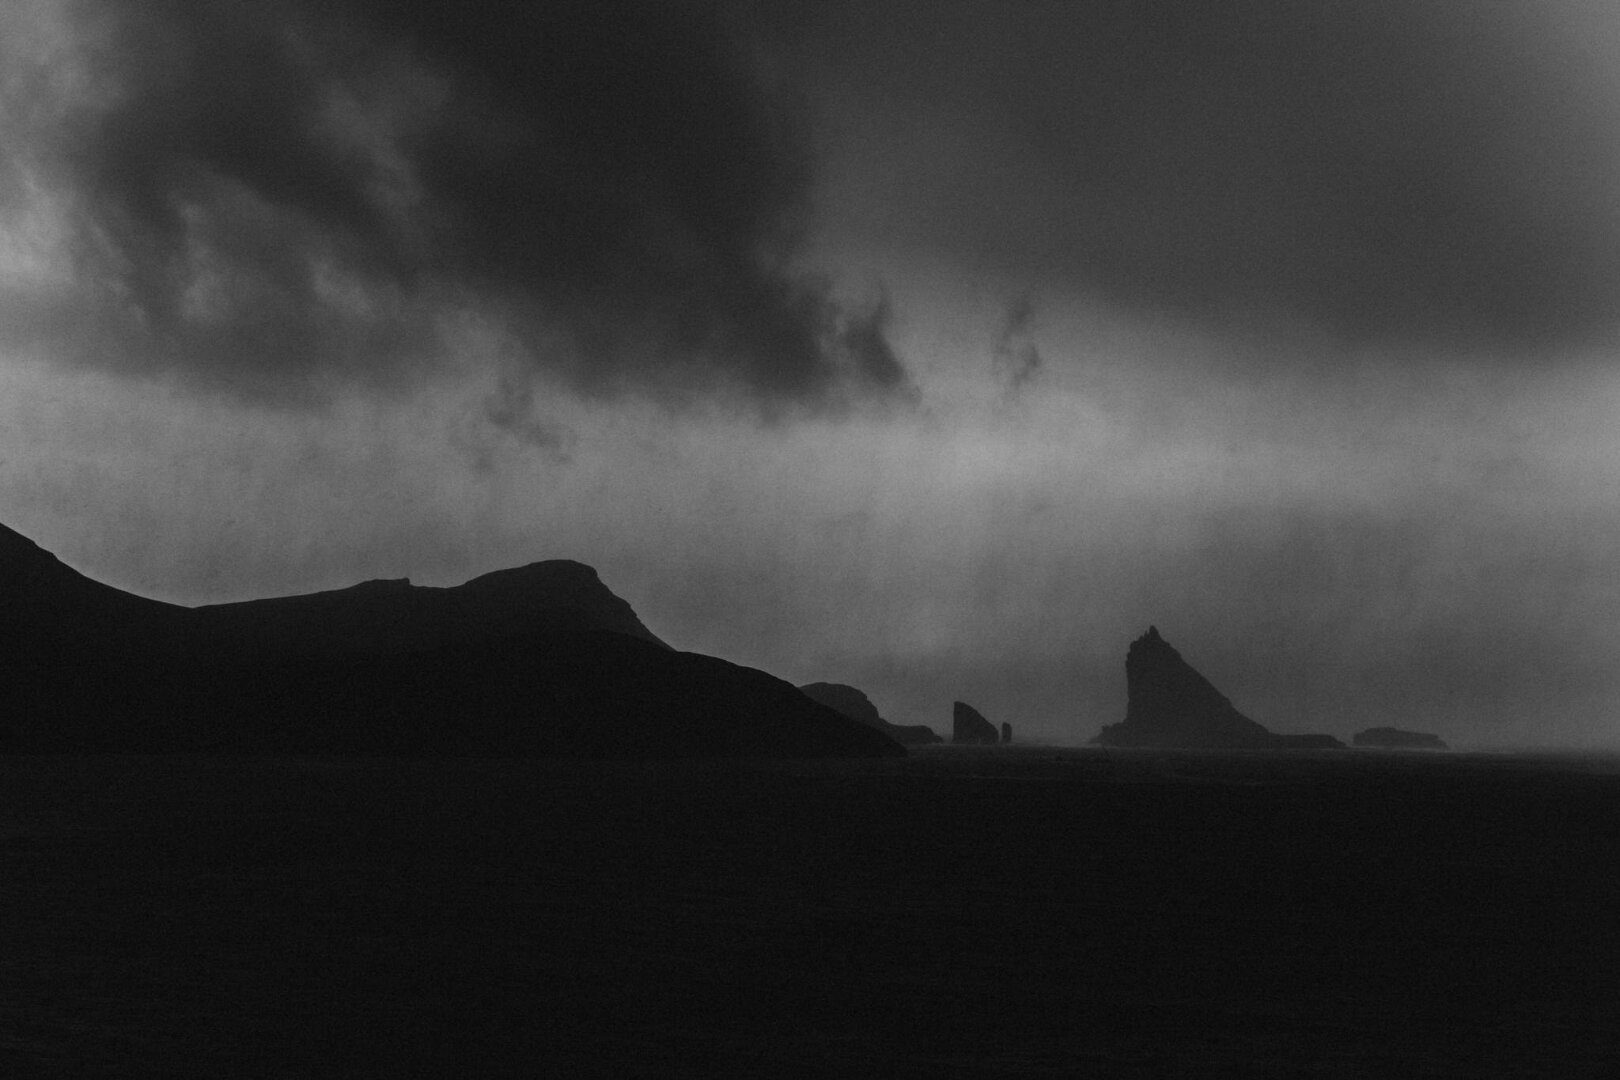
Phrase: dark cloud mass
[1412,172]
[273,195]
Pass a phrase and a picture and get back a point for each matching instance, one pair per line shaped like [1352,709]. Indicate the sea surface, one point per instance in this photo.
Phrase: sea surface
[1017,911]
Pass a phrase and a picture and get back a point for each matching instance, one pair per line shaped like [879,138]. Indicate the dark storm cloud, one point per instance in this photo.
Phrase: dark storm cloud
[1390,171]
[271,195]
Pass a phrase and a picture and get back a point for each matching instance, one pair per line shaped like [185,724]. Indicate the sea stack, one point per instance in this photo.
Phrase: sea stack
[969,726]
[1006,732]
[1169,704]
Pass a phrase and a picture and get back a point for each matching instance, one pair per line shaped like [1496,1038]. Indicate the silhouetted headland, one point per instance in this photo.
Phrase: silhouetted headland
[537,660]
[1169,704]
[857,706]
[968,725]
[1396,739]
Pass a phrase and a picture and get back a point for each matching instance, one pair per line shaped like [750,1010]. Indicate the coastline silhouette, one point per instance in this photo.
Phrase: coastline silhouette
[542,659]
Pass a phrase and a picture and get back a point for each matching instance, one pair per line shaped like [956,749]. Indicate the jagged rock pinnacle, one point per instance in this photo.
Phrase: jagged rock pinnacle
[968,725]
[1170,704]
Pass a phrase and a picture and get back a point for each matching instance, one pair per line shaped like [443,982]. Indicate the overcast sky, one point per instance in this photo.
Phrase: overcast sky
[938,348]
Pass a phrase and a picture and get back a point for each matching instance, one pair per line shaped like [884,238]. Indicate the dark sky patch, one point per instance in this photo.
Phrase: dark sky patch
[1431,173]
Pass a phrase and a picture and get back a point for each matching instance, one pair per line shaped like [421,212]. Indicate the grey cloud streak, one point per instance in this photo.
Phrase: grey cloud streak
[274,197]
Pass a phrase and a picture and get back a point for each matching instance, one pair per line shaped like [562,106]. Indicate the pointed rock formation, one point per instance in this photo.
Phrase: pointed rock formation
[1170,704]
[857,706]
[1396,739]
[969,726]
[543,660]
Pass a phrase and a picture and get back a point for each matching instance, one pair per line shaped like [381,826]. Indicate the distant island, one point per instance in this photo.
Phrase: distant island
[1169,704]
[538,660]
[1395,739]
[854,704]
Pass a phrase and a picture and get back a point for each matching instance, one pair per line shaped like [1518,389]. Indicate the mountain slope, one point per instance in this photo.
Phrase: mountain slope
[43,599]
[857,706]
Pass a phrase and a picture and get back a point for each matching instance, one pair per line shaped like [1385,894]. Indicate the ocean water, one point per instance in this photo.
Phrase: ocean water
[1019,911]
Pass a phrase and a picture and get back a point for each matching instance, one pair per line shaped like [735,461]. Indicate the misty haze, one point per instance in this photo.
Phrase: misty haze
[615,537]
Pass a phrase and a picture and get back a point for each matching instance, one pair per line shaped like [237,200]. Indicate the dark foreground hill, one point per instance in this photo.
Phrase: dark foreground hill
[1169,704]
[46,606]
[542,659]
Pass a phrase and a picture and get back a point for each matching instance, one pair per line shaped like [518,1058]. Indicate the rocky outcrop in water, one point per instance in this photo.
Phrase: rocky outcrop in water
[1396,739]
[540,660]
[857,706]
[969,726]
[1006,732]
[1169,704]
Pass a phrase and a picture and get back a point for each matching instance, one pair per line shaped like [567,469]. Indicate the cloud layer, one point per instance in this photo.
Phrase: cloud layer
[275,196]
